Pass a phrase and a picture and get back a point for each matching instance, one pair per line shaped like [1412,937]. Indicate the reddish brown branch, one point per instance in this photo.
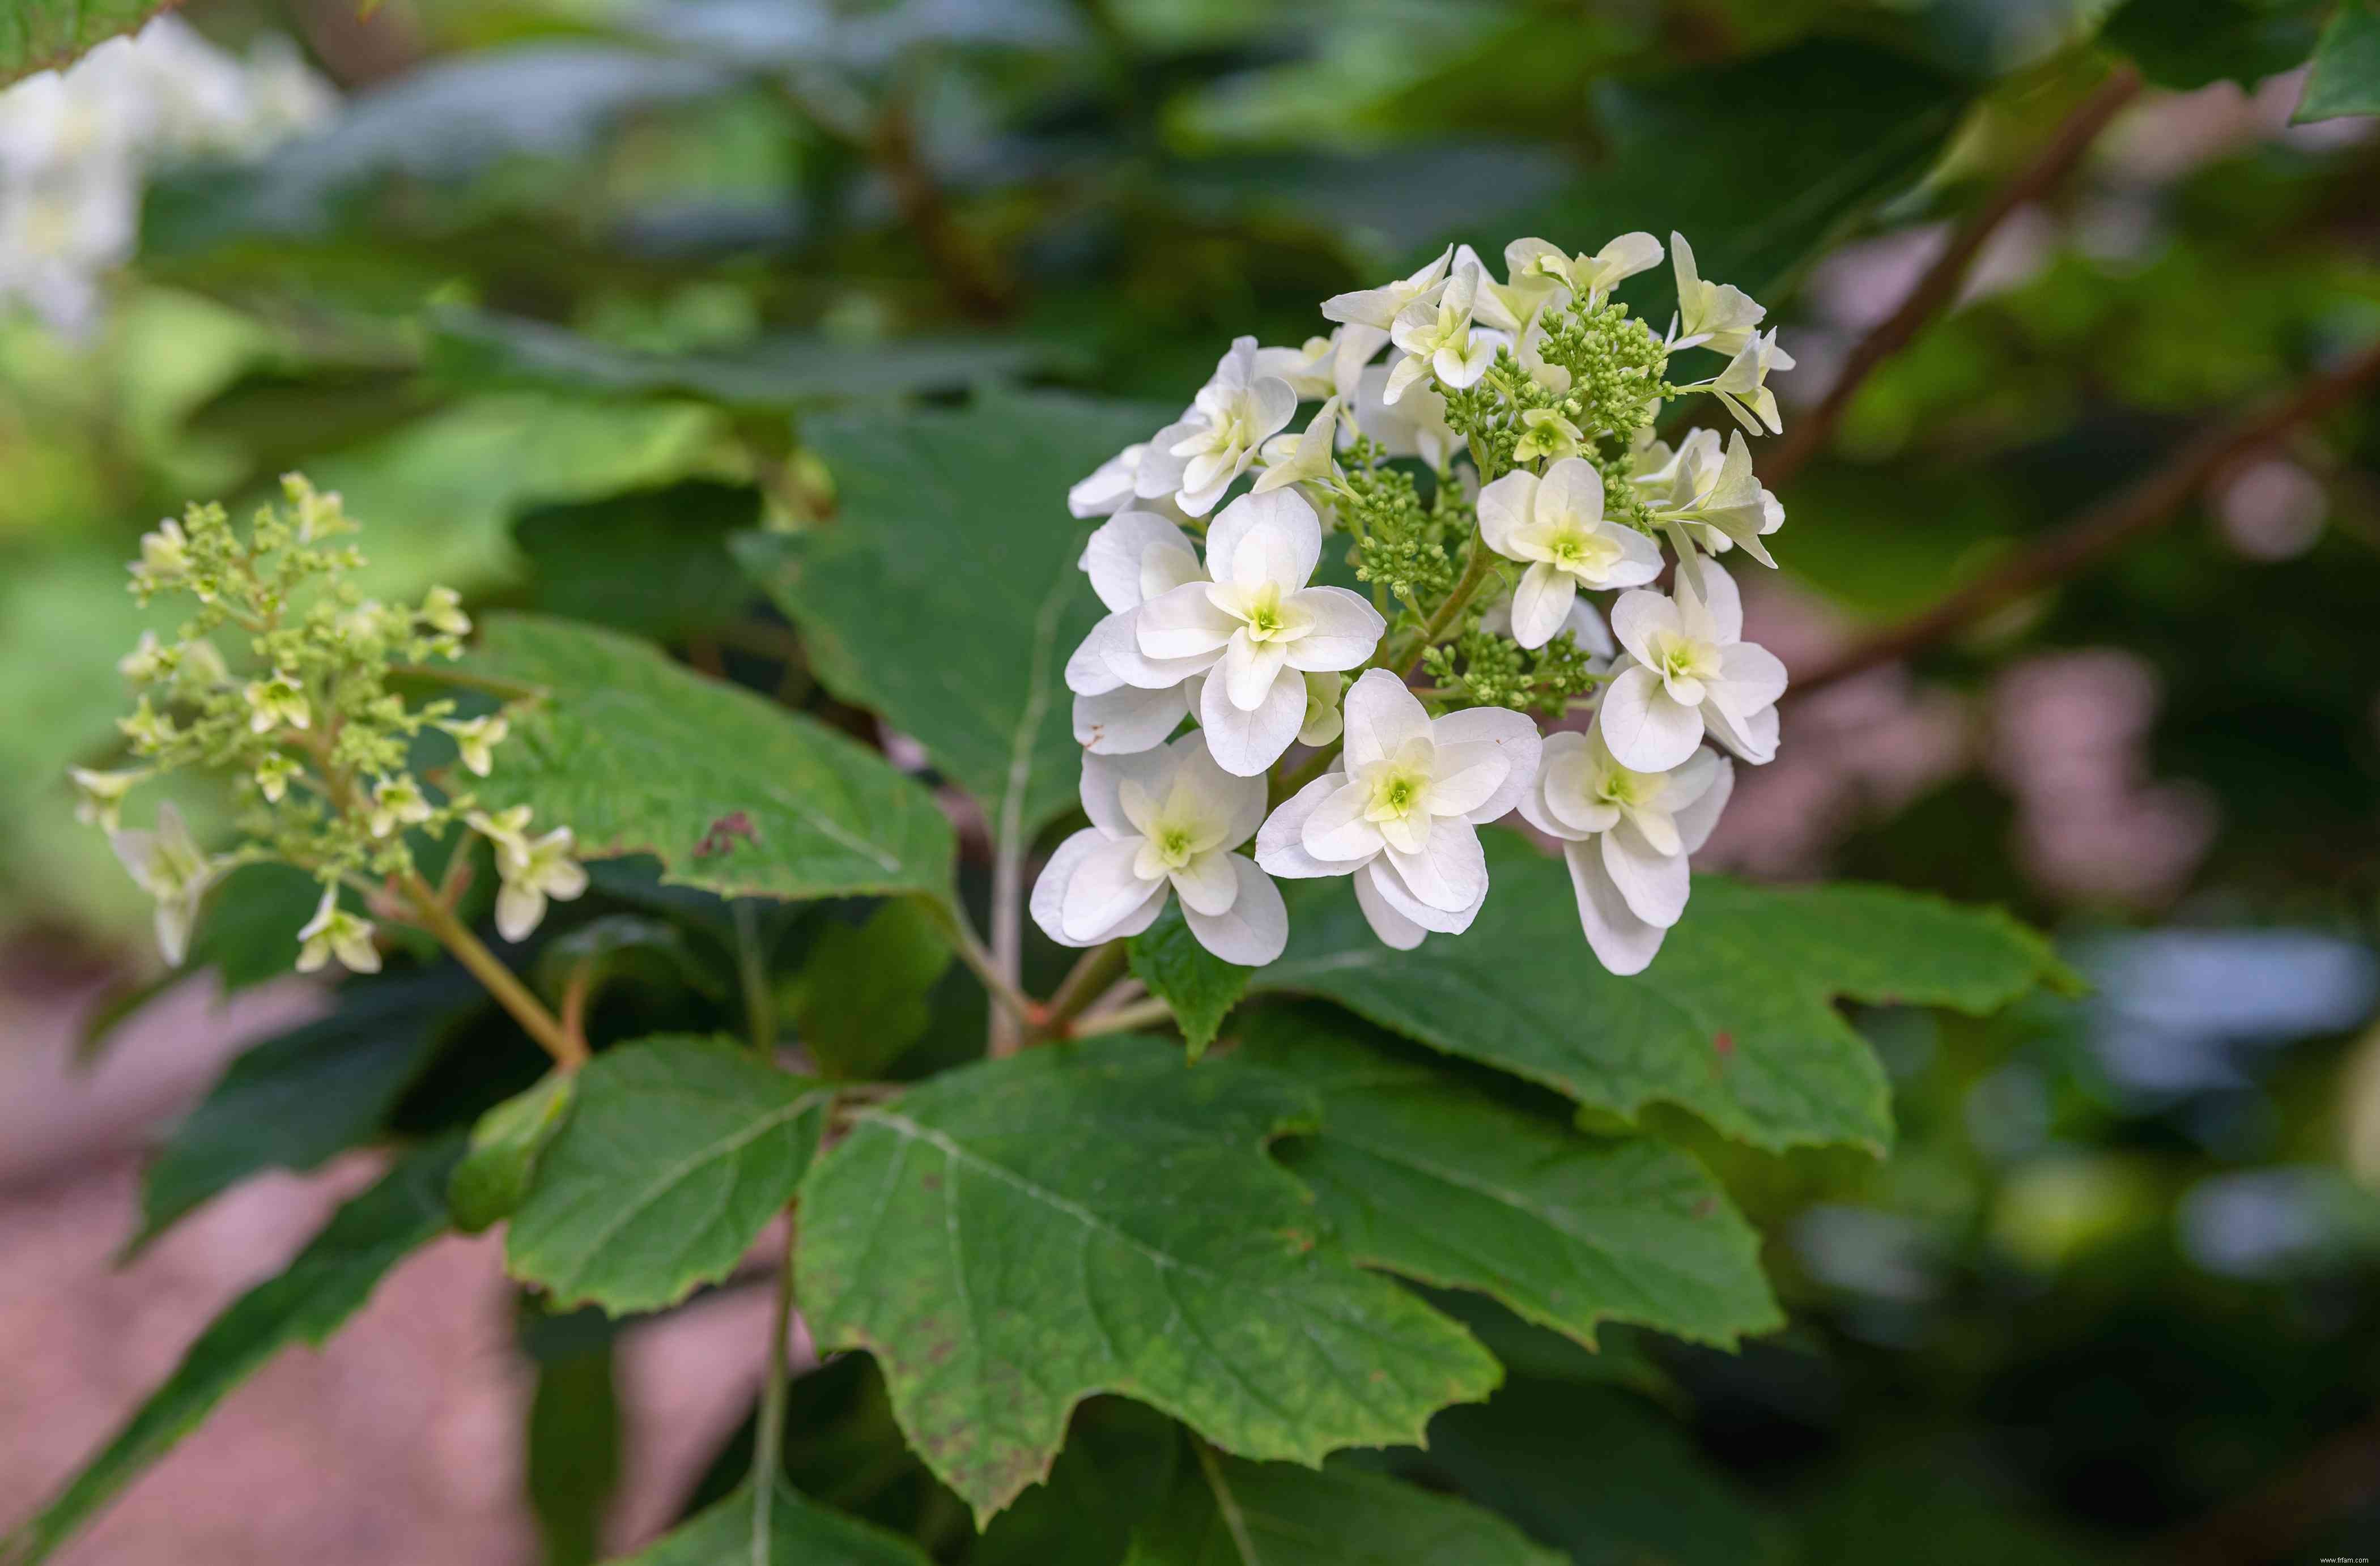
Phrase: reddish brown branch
[972,279]
[1939,287]
[2140,508]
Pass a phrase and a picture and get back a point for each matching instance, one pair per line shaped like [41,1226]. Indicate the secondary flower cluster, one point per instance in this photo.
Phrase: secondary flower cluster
[75,144]
[1500,465]
[322,749]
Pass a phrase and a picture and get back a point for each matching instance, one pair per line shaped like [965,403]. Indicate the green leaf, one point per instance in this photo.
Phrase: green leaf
[801,1533]
[506,1144]
[1419,1174]
[677,1153]
[1735,1020]
[39,35]
[573,1453]
[2346,75]
[861,998]
[1602,1475]
[945,594]
[1227,1513]
[653,562]
[2186,44]
[328,1282]
[1199,986]
[477,350]
[307,1095]
[732,793]
[1116,1470]
[1866,123]
[1014,1236]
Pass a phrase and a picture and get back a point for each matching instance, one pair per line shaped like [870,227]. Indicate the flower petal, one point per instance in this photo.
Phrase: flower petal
[1623,942]
[1449,873]
[1381,715]
[1113,557]
[1088,671]
[1540,602]
[1653,884]
[1506,506]
[1697,818]
[1206,884]
[1754,737]
[1102,788]
[1751,678]
[1512,734]
[1253,931]
[1289,531]
[1554,779]
[1250,669]
[1343,630]
[1280,846]
[1127,719]
[1181,624]
[1718,603]
[1639,561]
[1335,831]
[1389,887]
[1104,891]
[1635,618]
[1244,742]
[1647,731]
[1160,467]
[1573,489]
[1393,929]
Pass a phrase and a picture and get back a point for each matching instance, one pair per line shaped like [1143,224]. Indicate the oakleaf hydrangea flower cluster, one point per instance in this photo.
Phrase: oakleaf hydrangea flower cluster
[76,145]
[282,679]
[1467,539]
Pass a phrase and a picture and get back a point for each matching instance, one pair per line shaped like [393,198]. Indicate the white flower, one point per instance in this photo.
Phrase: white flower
[1124,701]
[442,610]
[1313,371]
[1110,488]
[505,829]
[1305,460]
[1164,822]
[279,702]
[475,739]
[273,776]
[99,796]
[167,865]
[1743,387]
[1196,459]
[1415,425]
[1626,835]
[1587,277]
[1585,626]
[532,870]
[1402,813]
[1369,313]
[1439,338]
[1506,307]
[1322,722]
[164,553]
[333,931]
[1704,499]
[1545,433]
[397,802]
[1556,524]
[1687,673]
[1720,316]
[1256,626]
[145,662]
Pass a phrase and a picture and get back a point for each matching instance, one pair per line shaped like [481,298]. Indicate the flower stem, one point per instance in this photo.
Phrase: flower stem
[1475,571]
[1092,974]
[1122,1019]
[769,1439]
[752,973]
[569,1051]
[970,949]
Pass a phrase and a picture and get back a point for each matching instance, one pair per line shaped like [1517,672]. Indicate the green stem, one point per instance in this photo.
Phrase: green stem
[752,972]
[511,690]
[970,949]
[769,1441]
[1475,570]
[1092,974]
[569,1050]
[1122,1019]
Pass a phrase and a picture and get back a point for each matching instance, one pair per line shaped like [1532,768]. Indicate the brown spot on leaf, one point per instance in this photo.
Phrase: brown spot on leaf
[1706,1207]
[1724,1042]
[726,833]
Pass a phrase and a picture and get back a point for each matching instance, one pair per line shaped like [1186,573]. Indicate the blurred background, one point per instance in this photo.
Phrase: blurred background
[536,283]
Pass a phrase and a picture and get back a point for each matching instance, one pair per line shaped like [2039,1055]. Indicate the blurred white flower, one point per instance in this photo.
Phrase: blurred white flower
[335,932]
[168,865]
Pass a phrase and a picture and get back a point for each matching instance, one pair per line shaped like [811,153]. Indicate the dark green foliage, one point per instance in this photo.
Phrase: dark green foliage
[1199,986]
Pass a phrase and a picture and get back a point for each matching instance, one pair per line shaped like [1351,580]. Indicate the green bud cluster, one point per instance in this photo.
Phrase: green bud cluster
[1400,539]
[1481,668]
